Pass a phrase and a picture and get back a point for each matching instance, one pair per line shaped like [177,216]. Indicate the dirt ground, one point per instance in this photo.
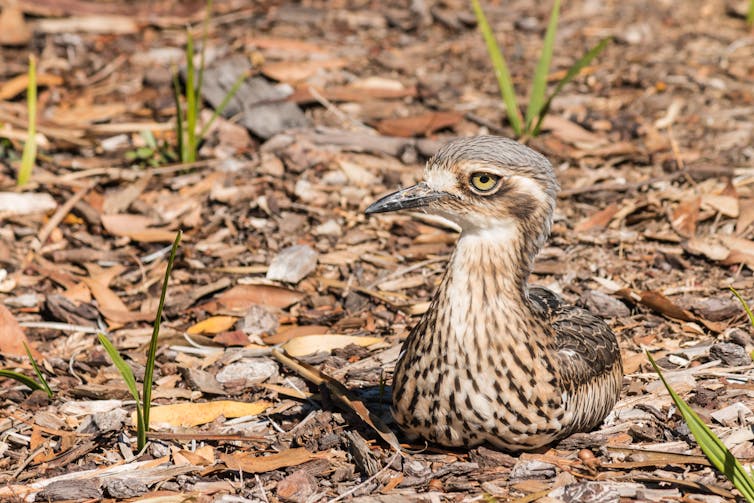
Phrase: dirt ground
[345,101]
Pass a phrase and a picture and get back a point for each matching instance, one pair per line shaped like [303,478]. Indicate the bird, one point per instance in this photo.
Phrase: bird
[494,360]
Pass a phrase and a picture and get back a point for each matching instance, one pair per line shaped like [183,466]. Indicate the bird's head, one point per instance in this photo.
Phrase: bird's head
[486,185]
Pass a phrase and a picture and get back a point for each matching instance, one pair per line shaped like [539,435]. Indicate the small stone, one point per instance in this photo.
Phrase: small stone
[26,300]
[525,469]
[717,308]
[732,355]
[75,490]
[293,264]
[251,371]
[729,416]
[123,488]
[329,228]
[297,487]
[112,420]
[259,321]
[605,306]
[586,492]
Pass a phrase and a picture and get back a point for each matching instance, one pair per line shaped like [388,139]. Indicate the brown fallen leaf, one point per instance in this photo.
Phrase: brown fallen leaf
[303,94]
[13,28]
[193,414]
[261,464]
[598,220]
[665,306]
[341,394]
[310,344]
[136,227]
[685,217]
[239,298]
[17,85]
[12,336]
[727,205]
[419,125]
[745,216]
[108,302]
[286,333]
[294,71]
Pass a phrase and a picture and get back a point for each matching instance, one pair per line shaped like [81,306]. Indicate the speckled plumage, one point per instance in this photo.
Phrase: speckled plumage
[494,360]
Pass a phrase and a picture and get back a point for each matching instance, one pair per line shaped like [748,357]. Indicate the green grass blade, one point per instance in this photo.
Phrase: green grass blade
[152,353]
[179,126]
[504,81]
[744,304]
[712,447]
[130,380]
[539,84]
[573,71]
[224,103]
[26,381]
[191,102]
[29,155]
[205,36]
[38,371]
[750,14]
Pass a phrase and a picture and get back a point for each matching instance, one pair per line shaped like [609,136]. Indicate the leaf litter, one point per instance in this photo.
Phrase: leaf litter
[654,223]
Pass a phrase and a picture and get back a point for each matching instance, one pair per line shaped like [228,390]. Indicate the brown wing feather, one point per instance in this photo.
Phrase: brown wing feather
[586,347]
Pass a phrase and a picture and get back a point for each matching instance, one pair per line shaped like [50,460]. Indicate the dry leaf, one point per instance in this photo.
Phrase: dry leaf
[193,414]
[261,464]
[213,325]
[598,220]
[727,205]
[746,215]
[294,71]
[239,298]
[663,305]
[685,217]
[136,227]
[309,344]
[12,336]
[13,28]
[419,125]
[108,302]
[286,333]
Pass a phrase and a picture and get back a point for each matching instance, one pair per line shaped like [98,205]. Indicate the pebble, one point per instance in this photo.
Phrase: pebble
[329,228]
[252,371]
[732,355]
[293,264]
[259,321]
[605,306]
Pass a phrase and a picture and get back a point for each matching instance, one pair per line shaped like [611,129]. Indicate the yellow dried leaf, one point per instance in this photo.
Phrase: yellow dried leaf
[193,414]
[212,325]
[308,344]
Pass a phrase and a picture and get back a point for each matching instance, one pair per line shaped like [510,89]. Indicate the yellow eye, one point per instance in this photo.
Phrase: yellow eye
[484,182]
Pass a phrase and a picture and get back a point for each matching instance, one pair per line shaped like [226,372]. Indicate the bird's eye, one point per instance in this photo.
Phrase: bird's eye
[484,182]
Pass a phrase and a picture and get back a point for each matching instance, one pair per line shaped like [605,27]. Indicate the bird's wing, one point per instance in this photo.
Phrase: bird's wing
[586,347]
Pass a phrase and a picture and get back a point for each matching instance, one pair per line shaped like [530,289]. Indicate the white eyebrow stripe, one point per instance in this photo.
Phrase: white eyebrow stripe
[530,186]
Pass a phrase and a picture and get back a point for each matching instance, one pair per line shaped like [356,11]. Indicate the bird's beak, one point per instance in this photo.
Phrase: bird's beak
[415,196]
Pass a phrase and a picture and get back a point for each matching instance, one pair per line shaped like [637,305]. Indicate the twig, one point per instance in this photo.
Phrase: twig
[261,488]
[367,481]
[60,215]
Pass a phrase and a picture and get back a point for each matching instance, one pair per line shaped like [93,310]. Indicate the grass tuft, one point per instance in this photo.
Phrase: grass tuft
[710,444]
[187,118]
[539,103]
[29,156]
[143,404]
[41,384]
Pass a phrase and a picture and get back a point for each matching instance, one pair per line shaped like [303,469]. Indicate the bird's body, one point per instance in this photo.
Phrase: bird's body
[494,360]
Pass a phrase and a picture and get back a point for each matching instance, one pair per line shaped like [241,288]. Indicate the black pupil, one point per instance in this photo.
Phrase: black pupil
[484,179]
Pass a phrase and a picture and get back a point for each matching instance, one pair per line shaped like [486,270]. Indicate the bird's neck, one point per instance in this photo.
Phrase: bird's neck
[499,258]
[483,299]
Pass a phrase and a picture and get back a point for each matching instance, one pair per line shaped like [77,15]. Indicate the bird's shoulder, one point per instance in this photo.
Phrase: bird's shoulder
[585,345]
